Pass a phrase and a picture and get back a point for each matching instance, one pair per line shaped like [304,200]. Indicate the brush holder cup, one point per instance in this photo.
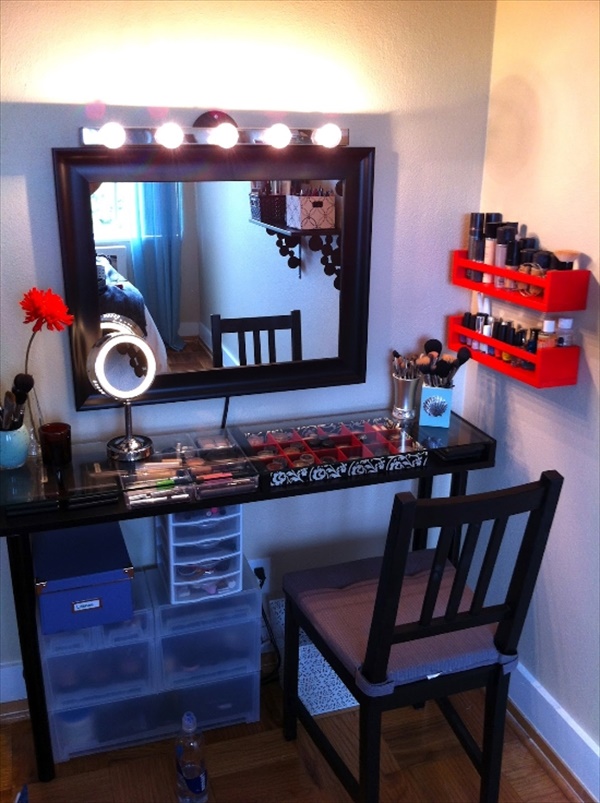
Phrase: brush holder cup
[14,445]
[406,397]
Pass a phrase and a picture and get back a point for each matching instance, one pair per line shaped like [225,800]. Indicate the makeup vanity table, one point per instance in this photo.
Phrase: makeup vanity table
[33,502]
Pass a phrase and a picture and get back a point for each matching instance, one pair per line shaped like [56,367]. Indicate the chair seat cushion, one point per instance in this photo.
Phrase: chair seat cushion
[339,600]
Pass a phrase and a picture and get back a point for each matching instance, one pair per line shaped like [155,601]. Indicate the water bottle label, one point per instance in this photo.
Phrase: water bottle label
[196,784]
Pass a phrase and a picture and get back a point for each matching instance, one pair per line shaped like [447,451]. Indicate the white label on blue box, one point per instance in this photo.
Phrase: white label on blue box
[86,605]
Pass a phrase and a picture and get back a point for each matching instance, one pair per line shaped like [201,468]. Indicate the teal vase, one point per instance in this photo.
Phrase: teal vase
[14,445]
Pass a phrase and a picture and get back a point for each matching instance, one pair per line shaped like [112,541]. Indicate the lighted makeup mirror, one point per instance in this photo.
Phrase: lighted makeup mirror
[122,365]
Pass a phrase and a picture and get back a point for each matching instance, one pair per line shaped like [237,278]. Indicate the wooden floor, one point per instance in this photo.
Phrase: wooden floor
[421,763]
[194,356]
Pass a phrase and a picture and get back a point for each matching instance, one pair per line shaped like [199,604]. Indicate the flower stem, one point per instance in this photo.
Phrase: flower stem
[28,350]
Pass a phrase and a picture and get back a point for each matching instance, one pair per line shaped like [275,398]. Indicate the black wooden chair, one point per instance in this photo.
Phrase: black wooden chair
[256,326]
[406,628]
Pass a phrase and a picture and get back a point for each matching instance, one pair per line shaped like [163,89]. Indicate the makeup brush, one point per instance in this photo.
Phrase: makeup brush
[23,382]
[433,346]
[8,410]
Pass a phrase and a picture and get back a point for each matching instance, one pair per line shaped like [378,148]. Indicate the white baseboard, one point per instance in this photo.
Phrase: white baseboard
[562,734]
[12,684]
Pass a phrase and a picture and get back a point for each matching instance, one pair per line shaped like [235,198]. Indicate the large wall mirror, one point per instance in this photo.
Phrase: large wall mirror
[166,239]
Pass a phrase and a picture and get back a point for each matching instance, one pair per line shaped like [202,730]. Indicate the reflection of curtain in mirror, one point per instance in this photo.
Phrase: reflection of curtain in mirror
[156,255]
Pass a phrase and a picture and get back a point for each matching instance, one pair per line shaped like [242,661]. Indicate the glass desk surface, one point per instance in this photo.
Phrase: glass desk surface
[205,463]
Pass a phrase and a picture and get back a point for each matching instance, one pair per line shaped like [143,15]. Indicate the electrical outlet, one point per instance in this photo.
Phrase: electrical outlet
[264,564]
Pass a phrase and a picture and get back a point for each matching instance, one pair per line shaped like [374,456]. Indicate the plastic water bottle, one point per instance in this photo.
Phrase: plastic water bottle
[192,782]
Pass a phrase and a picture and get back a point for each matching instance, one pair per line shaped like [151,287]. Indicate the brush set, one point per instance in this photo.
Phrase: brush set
[437,370]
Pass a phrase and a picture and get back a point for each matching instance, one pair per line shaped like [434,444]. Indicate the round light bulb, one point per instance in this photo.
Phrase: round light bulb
[169,135]
[329,135]
[278,135]
[112,135]
[224,135]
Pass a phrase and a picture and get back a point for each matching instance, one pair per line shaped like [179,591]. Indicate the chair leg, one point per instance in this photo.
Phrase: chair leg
[493,735]
[369,753]
[290,673]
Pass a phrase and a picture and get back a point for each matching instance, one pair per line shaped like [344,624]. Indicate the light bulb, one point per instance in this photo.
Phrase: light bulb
[329,135]
[224,135]
[278,135]
[169,135]
[112,135]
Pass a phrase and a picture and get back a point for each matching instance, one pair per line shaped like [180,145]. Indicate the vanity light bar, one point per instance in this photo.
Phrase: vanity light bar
[146,135]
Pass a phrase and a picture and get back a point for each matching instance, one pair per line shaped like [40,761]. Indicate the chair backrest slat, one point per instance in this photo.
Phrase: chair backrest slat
[462,570]
[436,574]
[537,500]
[488,565]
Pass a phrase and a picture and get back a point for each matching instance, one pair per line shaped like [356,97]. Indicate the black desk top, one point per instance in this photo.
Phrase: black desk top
[32,499]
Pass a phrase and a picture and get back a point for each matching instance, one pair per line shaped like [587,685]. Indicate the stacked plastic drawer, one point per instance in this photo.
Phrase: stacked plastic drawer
[93,670]
[116,685]
[208,653]
[200,552]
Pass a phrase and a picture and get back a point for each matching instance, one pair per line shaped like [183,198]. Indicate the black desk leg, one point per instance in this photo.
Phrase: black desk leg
[424,491]
[458,487]
[22,576]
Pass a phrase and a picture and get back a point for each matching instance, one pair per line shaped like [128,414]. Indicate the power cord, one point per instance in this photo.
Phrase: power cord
[274,673]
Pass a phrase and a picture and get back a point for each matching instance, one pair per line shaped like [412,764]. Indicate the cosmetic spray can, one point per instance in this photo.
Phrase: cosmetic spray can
[476,244]
[504,235]
[489,254]
[512,263]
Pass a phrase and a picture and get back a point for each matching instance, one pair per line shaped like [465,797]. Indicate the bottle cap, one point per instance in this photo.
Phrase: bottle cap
[491,228]
[528,242]
[493,217]
[476,221]
[549,326]
[188,722]
[505,234]
[526,255]
[565,323]
[543,259]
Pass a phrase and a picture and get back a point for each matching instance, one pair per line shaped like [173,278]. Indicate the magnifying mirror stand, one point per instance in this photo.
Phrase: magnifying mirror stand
[129,447]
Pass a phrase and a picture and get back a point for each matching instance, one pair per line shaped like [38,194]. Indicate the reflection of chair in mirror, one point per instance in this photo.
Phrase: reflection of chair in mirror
[405,628]
[268,324]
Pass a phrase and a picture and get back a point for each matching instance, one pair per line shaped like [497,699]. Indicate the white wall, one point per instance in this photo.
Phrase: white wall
[411,79]
[541,168]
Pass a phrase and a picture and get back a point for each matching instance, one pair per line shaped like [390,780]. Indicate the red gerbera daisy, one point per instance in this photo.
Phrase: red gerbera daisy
[44,307]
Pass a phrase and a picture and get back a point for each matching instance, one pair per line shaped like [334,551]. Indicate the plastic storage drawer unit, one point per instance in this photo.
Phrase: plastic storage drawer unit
[200,553]
[83,577]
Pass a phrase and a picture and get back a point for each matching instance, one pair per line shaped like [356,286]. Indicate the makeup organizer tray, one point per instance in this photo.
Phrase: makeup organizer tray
[187,467]
[305,453]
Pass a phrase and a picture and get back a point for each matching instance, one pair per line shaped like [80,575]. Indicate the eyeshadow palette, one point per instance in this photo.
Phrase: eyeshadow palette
[306,452]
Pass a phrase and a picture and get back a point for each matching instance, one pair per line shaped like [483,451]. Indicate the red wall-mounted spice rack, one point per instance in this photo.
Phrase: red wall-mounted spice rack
[552,367]
[563,290]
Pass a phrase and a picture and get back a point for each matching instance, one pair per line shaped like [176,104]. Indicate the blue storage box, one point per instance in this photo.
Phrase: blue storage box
[83,577]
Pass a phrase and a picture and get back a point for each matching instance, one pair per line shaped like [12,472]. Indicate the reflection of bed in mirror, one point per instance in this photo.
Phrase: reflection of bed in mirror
[119,296]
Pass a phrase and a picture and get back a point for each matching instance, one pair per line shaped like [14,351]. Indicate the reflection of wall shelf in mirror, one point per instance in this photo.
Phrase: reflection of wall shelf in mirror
[562,291]
[319,240]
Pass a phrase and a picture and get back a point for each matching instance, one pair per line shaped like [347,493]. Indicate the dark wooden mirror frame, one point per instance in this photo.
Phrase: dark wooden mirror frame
[75,169]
